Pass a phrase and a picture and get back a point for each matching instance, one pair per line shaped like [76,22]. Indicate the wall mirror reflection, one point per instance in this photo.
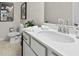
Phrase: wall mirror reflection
[6,11]
[54,11]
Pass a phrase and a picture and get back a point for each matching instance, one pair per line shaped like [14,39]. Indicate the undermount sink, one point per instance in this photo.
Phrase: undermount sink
[56,37]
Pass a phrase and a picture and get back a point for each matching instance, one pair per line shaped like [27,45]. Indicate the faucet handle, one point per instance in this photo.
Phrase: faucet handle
[60,21]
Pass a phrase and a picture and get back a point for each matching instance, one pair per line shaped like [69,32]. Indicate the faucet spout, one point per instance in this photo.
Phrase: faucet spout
[63,29]
[66,29]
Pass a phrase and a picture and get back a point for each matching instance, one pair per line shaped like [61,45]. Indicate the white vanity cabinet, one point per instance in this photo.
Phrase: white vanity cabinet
[38,47]
[32,47]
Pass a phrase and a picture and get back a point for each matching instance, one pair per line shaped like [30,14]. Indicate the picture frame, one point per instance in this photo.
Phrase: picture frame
[6,11]
[24,11]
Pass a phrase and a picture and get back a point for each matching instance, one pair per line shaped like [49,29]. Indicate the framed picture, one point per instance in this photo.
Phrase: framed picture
[6,11]
[24,10]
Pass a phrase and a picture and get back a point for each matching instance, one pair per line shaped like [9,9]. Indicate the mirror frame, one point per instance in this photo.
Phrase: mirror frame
[24,11]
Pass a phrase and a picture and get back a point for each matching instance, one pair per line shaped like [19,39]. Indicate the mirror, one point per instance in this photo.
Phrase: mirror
[6,11]
[57,10]
[24,11]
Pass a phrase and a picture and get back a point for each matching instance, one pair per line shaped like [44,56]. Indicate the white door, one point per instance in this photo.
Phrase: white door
[27,50]
[38,48]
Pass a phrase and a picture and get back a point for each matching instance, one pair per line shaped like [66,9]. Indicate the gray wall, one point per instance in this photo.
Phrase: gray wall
[55,10]
[4,26]
[35,12]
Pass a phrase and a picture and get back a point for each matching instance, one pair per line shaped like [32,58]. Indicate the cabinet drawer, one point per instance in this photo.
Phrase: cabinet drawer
[26,37]
[38,48]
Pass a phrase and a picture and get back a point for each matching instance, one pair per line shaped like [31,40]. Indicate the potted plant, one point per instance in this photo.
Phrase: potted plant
[28,24]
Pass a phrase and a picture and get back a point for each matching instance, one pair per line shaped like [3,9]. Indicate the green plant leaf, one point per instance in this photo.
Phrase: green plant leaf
[29,23]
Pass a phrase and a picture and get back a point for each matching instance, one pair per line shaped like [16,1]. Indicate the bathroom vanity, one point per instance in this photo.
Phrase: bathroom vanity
[49,43]
[32,47]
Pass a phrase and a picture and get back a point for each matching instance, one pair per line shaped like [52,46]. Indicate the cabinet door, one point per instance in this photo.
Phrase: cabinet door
[38,48]
[27,50]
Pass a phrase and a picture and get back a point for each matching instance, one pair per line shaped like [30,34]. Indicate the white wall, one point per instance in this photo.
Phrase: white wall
[55,10]
[4,26]
[35,11]
[76,12]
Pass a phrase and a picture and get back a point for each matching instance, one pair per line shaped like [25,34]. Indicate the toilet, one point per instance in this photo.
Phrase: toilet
[14,37]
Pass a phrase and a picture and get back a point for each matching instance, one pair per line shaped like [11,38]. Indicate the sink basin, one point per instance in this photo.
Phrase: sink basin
[56,37]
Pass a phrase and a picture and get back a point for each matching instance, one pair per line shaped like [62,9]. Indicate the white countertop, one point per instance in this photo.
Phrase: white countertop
[65,49]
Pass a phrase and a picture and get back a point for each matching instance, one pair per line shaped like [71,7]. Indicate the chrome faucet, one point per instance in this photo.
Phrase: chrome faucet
[60,28]
[63,28]
[66,29]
